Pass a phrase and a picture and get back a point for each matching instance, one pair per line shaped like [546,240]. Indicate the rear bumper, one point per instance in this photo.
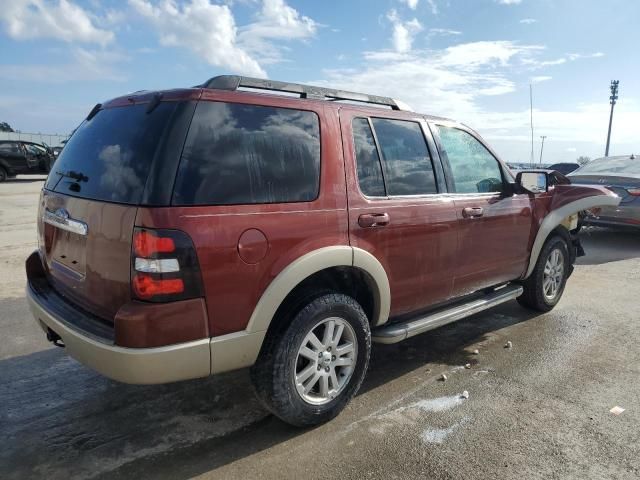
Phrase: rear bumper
[623,215]
[165,364]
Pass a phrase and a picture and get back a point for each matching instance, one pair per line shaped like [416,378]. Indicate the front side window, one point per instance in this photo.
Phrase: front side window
[248,154]
[473,168]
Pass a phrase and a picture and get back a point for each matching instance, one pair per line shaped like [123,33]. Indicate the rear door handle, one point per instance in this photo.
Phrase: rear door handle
[369,220]
[472,212]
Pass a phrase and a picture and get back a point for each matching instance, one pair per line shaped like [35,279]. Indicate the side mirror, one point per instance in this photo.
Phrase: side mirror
[533,182]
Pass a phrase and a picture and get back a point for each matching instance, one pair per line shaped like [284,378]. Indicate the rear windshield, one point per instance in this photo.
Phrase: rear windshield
[621,167]
[109,157]
[245,154]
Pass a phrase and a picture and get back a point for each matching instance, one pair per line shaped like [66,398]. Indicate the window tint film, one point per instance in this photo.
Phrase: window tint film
[406,161]
[473,168]
[109,157]
[367,159]
[242,154]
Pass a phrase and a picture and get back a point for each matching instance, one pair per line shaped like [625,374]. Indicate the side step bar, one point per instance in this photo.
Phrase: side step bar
[397,332]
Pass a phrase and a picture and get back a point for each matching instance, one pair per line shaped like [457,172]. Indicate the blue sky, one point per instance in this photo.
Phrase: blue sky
[472,60]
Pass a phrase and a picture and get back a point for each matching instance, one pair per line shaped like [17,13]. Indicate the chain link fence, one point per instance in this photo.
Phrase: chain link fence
[51,139]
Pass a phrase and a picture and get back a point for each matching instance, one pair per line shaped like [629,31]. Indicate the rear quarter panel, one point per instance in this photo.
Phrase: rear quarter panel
[233,286]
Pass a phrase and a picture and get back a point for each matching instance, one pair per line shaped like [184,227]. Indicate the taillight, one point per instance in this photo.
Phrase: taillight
[146,287]
[164,266]
[147,243]
[634,191]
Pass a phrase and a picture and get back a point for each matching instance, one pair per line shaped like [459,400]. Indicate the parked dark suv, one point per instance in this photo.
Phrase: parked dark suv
[190,232]
[19,157]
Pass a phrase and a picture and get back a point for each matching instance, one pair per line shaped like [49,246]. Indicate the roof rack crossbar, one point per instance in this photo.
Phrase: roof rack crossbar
[234,82]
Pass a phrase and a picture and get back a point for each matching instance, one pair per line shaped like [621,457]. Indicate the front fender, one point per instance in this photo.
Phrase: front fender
[568,200]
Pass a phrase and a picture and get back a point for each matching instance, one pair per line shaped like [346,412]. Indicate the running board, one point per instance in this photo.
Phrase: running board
[397,332]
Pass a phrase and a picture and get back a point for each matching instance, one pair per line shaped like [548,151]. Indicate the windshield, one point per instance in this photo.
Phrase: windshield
[612,166]
[109,157]
[35,149]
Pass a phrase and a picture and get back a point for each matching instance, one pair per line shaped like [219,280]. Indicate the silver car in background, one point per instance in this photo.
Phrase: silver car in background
[621,174]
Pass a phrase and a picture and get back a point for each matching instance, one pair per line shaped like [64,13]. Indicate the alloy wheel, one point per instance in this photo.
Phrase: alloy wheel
[553,274]
[326,360]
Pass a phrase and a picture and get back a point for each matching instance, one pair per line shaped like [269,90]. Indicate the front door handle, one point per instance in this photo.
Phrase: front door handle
[369,220]
[472,212]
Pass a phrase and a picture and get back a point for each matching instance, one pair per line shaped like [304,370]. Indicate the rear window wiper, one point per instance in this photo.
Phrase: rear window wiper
[77,176]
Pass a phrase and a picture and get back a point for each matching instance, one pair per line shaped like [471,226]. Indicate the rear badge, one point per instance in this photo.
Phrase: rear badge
[61,219]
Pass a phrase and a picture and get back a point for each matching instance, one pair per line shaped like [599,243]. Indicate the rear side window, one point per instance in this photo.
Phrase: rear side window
[406,161]
[109,157]
[407,168]
[9,148]
[246,154]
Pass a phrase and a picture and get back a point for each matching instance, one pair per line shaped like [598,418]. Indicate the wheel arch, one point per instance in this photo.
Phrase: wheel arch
[313,263]
[241,349]
[553,221]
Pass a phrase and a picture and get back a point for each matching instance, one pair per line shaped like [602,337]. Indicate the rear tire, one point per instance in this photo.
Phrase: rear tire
[545,286]
[307,374]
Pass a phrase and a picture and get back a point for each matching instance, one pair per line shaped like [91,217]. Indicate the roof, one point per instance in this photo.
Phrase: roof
[256,86]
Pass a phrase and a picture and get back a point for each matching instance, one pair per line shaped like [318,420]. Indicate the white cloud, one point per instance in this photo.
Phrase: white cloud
[412,4]
[528,21]
[31,19]
[485,53]
[448,81]
[569,57]
[403,32]
[443,32]
[578,56]
[540,78]
[276,21]
[210,31]
[572,149]
[509,2]
[456,82]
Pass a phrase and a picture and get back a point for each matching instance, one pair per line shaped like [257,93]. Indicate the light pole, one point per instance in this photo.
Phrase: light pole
[542,147]
[612,101]
[531,120]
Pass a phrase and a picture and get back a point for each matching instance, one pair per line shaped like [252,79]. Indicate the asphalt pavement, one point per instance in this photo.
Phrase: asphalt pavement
[540,409]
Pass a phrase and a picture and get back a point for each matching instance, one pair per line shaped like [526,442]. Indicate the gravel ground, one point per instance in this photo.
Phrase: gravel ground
[537,410]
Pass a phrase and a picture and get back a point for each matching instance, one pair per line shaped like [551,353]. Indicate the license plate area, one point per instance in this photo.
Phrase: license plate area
[68,253]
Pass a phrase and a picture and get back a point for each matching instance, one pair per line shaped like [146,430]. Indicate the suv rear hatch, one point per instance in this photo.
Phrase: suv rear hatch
[90,200]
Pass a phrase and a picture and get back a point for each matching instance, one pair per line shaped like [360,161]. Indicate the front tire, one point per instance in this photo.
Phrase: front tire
[545,286]
[308,373]
[3,174]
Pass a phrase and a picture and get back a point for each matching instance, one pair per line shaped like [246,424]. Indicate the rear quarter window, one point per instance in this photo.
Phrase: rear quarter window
[248,154]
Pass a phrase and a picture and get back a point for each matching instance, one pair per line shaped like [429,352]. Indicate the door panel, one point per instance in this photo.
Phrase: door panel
[413,237]
[493,247]
[494,227]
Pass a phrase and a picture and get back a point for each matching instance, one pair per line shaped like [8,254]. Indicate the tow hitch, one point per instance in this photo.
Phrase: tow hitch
[54,338]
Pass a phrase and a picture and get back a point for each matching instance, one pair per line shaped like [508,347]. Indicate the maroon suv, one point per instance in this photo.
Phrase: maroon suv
[189,232]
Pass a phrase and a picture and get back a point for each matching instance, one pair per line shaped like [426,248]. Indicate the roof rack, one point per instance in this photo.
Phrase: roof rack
[234,82]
